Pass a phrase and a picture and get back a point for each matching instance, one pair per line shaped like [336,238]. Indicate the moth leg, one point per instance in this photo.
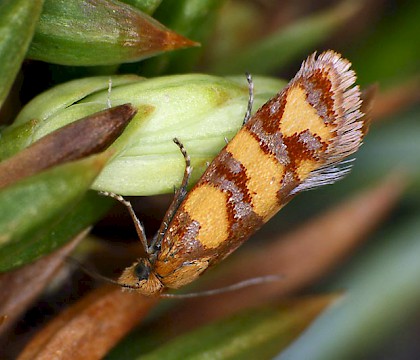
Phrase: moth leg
[138,225]
[250,98]
[179,195]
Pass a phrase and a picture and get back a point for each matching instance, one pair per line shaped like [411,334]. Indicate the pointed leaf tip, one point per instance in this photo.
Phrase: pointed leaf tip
[84,137]
[72,33]
[177,41]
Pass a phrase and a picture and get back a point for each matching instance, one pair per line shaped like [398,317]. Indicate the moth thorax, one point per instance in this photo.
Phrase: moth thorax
[141,278]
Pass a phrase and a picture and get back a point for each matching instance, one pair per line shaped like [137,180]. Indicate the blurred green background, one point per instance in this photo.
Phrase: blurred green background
[379,314]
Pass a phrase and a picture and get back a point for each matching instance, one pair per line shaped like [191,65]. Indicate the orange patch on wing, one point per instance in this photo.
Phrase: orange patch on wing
[207,205]
[186,273]
[299,115]
[305,167]
[264,172]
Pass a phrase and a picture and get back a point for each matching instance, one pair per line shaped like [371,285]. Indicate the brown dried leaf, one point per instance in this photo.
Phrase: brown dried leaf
[92,326]
[397,99]
[19,288]
[81,138]
[368,101]
[302,257]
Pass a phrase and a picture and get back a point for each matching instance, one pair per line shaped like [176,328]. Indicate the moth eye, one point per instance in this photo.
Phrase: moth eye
[141,271]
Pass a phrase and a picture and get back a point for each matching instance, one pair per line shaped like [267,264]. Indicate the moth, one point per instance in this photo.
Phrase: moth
[295,142]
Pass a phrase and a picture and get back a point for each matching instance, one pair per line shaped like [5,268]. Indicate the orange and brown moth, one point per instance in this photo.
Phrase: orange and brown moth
[294,142]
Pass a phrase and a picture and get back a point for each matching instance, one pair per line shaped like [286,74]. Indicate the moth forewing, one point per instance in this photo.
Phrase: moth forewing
[294,142]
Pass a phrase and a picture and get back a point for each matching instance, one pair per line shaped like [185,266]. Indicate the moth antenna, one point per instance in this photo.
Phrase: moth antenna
[137,223]
[179,195]
[108,99]
[237,286]
[93,273]
[250,98]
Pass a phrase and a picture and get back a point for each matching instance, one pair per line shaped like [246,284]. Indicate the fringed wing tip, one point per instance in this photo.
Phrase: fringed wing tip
[351,116]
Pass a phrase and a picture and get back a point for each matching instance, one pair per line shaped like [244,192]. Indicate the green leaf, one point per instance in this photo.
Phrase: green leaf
[86,212]
[255,334]
[287,44]
[31,208]
[18,19]
[147,6]
[99,32]
[13,139]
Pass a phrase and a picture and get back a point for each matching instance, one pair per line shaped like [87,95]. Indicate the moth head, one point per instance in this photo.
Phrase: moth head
[141,278]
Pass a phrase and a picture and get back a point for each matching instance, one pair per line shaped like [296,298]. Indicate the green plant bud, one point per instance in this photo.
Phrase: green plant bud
[202,111]
[99,32]
[19,136]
